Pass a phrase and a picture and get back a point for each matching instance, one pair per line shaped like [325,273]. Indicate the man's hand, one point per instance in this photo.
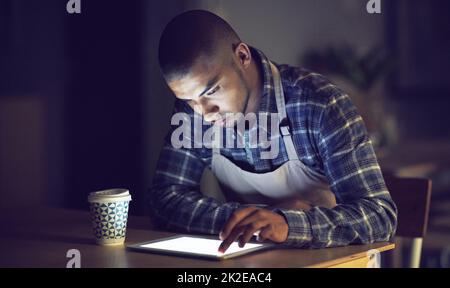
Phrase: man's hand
[245,222]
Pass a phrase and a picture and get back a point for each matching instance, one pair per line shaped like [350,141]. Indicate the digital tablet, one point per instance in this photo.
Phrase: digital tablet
[197,246]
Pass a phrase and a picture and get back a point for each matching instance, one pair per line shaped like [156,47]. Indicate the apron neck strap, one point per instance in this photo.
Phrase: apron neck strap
[283,120]
[285,130]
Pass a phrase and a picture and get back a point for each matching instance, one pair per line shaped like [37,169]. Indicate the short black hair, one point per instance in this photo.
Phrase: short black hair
[190,35]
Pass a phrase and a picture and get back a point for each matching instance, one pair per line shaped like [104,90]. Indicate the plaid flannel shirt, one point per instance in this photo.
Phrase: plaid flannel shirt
[329,136]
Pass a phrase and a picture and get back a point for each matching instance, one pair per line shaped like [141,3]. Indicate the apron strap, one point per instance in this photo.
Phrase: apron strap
[283,120]
[217,140]
[216,150]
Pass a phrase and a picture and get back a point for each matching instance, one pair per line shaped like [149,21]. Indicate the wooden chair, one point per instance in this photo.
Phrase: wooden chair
[412,197]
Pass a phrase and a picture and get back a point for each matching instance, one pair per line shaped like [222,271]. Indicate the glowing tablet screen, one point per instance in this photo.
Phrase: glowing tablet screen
[199,246]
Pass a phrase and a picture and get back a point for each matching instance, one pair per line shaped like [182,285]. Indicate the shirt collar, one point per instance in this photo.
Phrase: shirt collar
[267,103]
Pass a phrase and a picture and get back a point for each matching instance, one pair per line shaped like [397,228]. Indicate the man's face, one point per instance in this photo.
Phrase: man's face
[214,89]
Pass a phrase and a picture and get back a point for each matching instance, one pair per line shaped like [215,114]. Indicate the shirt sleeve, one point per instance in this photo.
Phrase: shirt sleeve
[175,199]
[365,212]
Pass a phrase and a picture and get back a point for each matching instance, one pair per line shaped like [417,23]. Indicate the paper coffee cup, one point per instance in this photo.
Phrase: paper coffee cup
[109,215]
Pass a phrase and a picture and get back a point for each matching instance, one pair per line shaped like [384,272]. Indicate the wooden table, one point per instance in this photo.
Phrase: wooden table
[41,237]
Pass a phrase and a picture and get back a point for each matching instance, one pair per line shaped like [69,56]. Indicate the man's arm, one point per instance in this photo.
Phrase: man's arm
[175,198]
[365,212]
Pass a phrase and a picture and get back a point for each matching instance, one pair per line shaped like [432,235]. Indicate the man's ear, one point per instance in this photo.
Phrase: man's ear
[243,54]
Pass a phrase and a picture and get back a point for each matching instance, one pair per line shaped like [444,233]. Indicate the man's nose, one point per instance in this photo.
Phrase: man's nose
[209,111]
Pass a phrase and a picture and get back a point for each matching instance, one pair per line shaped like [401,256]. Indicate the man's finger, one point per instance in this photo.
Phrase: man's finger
[231,238]
[265,233]
[239,228]
[250,230]
[235,218]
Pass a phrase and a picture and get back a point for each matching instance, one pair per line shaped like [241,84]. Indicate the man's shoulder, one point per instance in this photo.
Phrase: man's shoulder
[306,86]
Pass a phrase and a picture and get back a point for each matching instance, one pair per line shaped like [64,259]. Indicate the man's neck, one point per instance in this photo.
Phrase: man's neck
[256,84]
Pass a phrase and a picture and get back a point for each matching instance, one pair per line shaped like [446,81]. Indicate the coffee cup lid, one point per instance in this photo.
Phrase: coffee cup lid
[110,195]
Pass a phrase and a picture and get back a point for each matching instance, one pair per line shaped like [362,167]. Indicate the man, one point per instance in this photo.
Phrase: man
[323,188]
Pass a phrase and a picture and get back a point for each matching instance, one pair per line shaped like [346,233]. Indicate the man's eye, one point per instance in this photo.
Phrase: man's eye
[213,91]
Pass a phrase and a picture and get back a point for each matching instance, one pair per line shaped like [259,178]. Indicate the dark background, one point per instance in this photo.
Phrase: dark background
[74,99]
[83,107]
